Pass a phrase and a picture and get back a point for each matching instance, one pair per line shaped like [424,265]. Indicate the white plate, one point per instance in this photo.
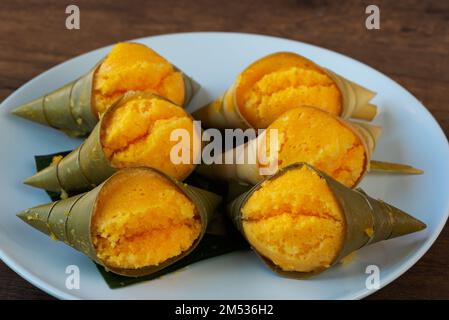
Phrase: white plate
[410,134]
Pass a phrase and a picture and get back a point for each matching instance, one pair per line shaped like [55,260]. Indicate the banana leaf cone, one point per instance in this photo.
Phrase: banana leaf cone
[87,166]
[69,220]
[246,165]
[225,111]
[366,220]
[67,108]
[70,109]
[356,99]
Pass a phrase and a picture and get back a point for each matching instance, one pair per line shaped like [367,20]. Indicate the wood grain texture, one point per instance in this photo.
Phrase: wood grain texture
[411,47]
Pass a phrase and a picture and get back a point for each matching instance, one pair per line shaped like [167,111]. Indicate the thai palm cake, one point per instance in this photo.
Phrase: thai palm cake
[76,107]
[132,66]
[135,223]
[307,134]
[142,219]
[302,221]
[295,221]
[281,81]
[137,133]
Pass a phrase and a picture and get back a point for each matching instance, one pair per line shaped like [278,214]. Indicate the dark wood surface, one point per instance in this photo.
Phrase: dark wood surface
[411,47]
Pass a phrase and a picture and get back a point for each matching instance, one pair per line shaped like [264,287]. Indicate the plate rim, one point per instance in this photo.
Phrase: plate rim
[393,275]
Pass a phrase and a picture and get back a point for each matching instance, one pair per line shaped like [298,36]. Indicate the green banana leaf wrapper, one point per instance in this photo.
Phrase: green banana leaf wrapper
[69,108]
[361,213]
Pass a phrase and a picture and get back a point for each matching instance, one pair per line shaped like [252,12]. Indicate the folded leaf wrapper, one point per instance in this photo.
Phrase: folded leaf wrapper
[67,108]
[69,220]
[88,166]
[213,244]
[246,165]
[360,212]
[70,108]
[225,112]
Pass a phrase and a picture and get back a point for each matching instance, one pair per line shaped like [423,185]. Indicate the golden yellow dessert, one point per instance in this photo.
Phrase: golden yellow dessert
[281,81]
[295,221]
[137,133]
[142,219]
[132,66]
[307,134]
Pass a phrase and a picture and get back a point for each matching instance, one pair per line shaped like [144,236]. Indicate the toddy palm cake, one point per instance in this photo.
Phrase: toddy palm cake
[138,133]
[134,132]
[135,223]
[132,66]
[76,107]
[295,221]
[301,221]
[142,218]
[281,81]
[303,134]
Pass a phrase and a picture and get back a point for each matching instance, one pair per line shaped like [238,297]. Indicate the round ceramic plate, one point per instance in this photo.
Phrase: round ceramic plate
[410,135]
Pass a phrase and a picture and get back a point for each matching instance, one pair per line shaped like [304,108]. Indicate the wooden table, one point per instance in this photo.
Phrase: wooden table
[411,47]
